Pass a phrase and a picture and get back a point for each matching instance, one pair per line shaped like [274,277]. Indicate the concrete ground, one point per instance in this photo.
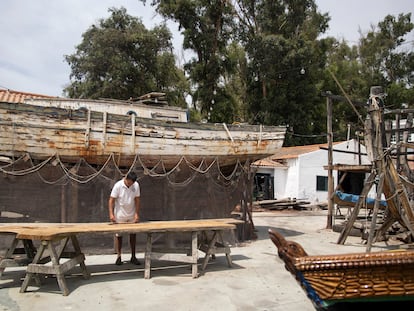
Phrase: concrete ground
[257,281]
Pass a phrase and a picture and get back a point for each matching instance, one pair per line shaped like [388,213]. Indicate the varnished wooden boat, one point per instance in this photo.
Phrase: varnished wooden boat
[330,280]
[94,136]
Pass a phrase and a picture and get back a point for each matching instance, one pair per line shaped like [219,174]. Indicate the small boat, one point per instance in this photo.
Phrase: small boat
[71,134]
[350,200]
[340,279]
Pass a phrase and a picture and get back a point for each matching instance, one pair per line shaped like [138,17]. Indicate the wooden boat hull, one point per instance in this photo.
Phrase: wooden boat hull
[95,136]
[358,277]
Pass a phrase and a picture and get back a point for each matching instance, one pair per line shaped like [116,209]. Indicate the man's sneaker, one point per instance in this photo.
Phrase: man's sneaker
[135,261]
[118,261]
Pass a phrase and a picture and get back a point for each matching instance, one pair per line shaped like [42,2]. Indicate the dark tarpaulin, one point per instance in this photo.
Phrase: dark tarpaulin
[52,191]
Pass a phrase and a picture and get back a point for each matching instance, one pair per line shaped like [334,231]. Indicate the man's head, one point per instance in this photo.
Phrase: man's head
[130,178]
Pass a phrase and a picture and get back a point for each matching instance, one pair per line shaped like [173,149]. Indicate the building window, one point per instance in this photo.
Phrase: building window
[321,183]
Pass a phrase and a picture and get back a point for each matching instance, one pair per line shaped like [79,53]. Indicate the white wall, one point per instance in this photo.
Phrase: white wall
[292,179]
[346,158]
[299,180]
[280,176]
[311,165]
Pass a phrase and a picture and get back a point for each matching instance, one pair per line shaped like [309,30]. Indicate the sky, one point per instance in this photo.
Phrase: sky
[36,35]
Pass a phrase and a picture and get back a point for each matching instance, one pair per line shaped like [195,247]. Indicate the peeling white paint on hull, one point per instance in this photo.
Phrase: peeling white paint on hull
[94,136]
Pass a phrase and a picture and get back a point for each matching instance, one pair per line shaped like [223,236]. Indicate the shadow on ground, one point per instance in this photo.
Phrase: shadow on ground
[108,272]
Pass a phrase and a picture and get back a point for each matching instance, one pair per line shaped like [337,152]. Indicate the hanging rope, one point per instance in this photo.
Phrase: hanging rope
[158,170]
[27,171]
[346,96]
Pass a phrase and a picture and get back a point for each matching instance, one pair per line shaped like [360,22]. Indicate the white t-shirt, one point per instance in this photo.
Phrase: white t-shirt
[124,210]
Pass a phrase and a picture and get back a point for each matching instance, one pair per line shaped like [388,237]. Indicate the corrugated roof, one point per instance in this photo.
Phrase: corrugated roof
[11,96]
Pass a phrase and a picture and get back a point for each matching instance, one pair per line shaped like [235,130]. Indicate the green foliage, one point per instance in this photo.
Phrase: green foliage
[195,115]
[381,57]
[207,27]
[285,62]
[256,61]
[119,58]
[384,59]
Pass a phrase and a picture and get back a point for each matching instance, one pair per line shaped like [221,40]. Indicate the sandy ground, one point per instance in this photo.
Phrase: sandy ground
[257,280]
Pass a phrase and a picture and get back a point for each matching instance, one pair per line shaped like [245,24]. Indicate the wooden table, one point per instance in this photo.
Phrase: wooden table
[54,243]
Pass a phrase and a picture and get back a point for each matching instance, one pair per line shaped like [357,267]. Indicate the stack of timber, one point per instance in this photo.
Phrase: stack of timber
[282,204]
[153,98]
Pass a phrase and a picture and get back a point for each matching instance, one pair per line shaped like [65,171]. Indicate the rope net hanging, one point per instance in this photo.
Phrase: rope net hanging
[54,191]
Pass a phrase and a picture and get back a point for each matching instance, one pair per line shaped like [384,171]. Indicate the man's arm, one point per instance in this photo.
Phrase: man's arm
[137,207]
[111,205]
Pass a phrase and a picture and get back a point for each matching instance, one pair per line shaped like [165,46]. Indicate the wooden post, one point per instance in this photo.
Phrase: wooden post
[355,211]
[330,160]
[249,197]
[397,138]
[74,209]
[373,226]
[63,218]
[170,239]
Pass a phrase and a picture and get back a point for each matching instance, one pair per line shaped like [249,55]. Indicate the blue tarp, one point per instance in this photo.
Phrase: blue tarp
[353,198]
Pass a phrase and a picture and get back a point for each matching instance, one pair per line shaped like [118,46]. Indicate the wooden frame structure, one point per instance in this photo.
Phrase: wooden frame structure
[384,174]
[54,245]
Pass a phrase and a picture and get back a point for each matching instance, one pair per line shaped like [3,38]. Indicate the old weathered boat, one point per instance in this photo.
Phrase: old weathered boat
[331,280]
[70,134]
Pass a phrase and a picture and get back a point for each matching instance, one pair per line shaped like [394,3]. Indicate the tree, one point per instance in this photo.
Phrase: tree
[343,65]
[207,30]
[285,60]
[119,58]
[386,62]
[381,57]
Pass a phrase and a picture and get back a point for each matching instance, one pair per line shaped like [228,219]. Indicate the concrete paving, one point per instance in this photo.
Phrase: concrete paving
[258,279]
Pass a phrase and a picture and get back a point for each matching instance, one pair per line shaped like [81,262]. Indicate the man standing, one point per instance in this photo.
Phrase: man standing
[124,205]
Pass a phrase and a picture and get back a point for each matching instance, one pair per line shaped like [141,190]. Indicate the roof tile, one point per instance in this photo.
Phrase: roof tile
[11,96]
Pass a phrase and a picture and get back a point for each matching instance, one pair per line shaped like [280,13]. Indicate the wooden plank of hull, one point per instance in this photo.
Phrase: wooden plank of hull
[94,136]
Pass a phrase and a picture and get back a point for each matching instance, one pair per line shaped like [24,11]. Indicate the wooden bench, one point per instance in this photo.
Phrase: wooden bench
[55,239]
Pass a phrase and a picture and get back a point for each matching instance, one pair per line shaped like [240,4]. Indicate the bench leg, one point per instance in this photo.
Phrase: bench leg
[227,249]
[194,253]
[30,275]
[148,250]
[209,251]
[60,276]
[4,262]
[78,251]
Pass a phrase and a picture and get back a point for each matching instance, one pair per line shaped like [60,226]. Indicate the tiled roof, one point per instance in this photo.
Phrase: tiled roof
[11,96]
[294,152]
[266,162]
[288,153]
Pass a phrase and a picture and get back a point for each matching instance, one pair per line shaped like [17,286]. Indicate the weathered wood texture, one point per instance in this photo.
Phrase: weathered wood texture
[49,234]
[51,231]
[160,112]
[94,136]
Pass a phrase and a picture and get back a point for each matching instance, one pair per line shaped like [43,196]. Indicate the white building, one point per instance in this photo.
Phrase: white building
[298,172]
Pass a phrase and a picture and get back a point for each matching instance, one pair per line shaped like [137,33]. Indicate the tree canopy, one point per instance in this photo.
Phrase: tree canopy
[255,61]
[119,58]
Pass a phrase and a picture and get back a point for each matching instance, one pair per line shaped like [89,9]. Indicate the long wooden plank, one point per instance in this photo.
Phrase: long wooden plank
[51,231]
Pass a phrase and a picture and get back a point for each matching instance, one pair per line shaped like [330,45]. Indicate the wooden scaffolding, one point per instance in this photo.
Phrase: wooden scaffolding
[390,172]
